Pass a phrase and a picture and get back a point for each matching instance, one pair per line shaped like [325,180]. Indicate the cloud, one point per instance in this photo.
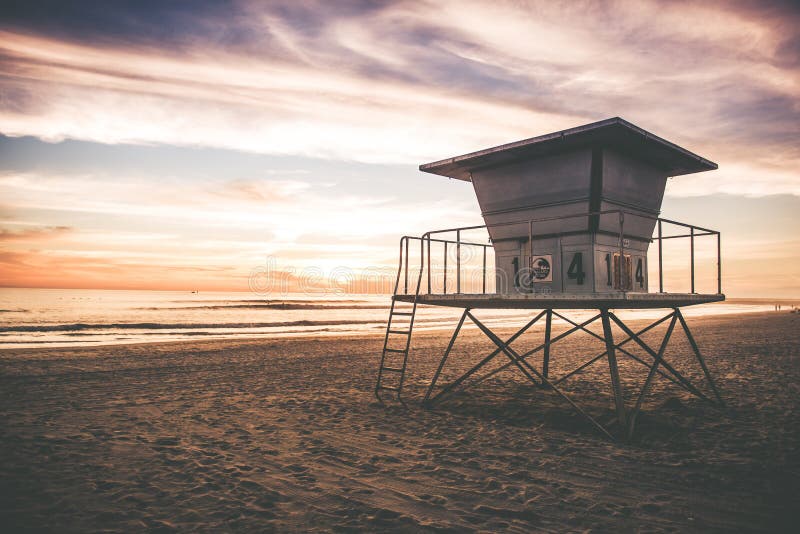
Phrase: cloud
[266,108]
[33,268]
[145,23]
[744,179]
[33,234]
[407,81]
[218,222]
[263,192]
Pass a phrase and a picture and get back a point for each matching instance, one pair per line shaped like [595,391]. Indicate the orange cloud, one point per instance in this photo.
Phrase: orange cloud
[34,234]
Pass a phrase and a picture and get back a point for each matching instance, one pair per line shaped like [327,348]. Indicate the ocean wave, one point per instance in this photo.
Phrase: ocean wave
[269,301]
[192,333]
[142,337]
[274,306]
[50,341]
[77,327]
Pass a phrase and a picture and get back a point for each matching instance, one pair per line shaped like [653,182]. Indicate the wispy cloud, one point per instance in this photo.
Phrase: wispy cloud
[32,234]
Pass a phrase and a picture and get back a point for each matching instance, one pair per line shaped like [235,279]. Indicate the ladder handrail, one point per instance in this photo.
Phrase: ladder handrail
[402,370]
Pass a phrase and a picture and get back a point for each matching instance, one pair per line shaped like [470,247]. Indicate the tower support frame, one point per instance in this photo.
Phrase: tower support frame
[625,417]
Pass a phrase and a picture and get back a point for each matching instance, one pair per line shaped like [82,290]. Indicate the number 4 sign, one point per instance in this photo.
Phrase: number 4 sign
[575,270]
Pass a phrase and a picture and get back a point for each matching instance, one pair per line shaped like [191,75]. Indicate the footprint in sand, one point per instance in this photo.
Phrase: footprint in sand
[300,472]
[433,499]
[650,507]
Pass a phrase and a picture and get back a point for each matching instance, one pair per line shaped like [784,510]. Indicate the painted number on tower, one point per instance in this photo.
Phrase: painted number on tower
[575,270]
[640,273]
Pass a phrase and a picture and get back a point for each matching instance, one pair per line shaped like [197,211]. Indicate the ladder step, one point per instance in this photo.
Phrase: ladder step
[395,369]
[400,351]
[402,313]
[405,332]
[389,388]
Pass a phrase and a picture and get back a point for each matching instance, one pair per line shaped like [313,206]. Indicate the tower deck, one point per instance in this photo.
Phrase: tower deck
[616,300]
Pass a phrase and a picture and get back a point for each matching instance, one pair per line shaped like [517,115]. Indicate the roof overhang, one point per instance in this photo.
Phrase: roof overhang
[613,133]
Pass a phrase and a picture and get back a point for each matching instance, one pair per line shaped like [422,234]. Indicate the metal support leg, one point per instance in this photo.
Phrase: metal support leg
[700,359]
[650,376]
[446,355]
[546,360]
[616,386]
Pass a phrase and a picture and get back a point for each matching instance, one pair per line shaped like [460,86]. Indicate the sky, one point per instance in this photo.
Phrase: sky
[192,145]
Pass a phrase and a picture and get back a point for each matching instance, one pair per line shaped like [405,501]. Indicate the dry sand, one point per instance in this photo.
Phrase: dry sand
[285,435]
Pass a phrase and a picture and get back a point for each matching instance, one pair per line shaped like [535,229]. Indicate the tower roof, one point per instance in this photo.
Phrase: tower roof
[613,133]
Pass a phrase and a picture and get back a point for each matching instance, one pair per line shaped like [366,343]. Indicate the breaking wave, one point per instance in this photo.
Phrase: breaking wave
[77,327]
[274,306]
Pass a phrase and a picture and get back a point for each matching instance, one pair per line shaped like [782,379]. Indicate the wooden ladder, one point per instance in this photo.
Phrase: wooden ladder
[392,371]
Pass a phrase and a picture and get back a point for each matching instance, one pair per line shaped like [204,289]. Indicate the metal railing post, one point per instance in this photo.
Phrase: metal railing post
[530,241]
[622,265]
[458,261]
[429,265]
[421,263]
[484,270]
[445,269]
[719,265]
[406,277]
[660,260]
[691,239]
[399,267]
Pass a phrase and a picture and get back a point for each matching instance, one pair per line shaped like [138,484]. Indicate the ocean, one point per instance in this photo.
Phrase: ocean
[68,317]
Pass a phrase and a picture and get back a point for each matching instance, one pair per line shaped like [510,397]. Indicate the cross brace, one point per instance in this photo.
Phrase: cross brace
[625,418]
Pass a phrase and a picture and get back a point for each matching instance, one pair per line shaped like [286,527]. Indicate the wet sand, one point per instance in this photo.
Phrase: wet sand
[286,435]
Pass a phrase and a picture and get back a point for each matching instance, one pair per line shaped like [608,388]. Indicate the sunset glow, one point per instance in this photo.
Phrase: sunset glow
[154,148]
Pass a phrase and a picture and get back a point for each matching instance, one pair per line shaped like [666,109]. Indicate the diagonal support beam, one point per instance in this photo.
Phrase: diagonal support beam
[650,376]
[540,347]
[688,385]
[580,368]
[517,360]
[522,365]
[619,348]
[700,359]
[446,355]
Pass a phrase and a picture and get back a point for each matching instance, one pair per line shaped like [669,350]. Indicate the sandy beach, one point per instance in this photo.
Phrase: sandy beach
[286,435]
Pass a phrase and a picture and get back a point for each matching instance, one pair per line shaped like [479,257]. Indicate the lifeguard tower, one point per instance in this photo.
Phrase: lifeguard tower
[570,218]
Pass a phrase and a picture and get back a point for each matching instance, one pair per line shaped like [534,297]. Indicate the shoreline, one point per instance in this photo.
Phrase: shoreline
[378,331]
